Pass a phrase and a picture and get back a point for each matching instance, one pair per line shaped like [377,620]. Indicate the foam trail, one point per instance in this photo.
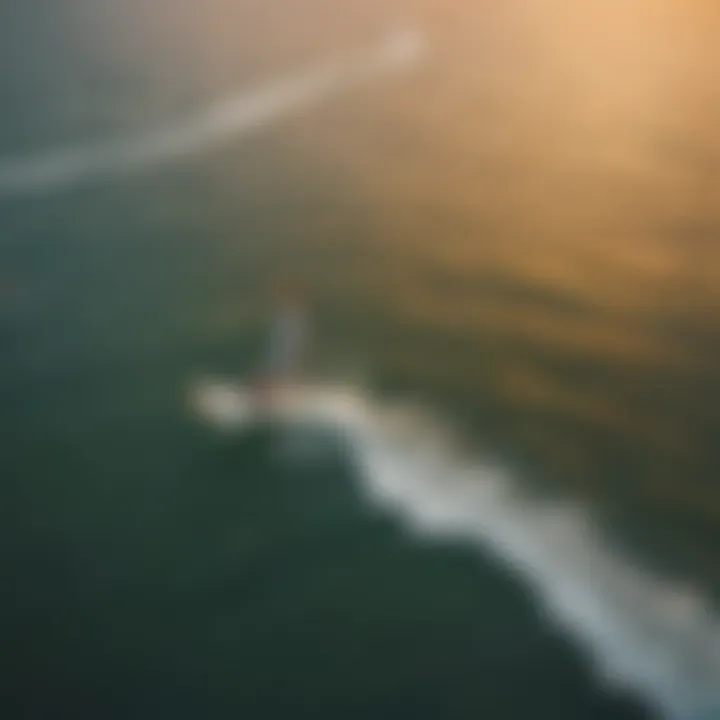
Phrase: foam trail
[218,123]
[643,632]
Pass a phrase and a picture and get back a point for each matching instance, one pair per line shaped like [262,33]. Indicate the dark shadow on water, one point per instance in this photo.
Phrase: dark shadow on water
[262,589]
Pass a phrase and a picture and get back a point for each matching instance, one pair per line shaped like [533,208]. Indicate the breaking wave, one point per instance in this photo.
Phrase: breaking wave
[642,632]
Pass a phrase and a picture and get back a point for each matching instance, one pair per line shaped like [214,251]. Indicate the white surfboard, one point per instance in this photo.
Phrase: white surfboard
[231,404]
[224,403]
[310,420]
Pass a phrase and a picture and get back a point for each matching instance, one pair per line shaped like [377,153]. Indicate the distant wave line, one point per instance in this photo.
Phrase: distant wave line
[217,123]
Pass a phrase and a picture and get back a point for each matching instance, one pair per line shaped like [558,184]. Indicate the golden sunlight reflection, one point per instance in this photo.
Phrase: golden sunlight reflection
[536,199]
[542,197]
[271,266]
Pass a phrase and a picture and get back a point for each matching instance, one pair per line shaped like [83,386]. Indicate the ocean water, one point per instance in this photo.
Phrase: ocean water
[504,222]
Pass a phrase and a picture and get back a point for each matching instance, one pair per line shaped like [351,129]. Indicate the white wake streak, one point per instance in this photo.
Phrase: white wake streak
[219,123]
[642,631]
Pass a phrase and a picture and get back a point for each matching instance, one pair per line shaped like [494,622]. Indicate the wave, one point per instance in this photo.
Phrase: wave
[219,122]
[642,632]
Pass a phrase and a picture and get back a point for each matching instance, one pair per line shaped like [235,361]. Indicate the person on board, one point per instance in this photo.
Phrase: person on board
[286,344]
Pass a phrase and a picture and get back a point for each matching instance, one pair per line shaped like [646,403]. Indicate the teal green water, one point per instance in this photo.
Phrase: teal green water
[456,239]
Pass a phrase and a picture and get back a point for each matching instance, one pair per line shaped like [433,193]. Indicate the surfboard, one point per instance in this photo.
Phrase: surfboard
[306,424]
[225,403]
[231,403]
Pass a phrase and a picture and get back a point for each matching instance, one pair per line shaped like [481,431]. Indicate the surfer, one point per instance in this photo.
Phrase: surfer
[285,348]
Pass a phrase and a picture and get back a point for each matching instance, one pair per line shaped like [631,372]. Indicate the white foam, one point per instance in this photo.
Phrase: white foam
[219,122]
[642,632]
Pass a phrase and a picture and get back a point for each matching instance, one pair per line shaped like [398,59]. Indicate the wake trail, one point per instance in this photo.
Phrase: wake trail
[218,123]
[643,632]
